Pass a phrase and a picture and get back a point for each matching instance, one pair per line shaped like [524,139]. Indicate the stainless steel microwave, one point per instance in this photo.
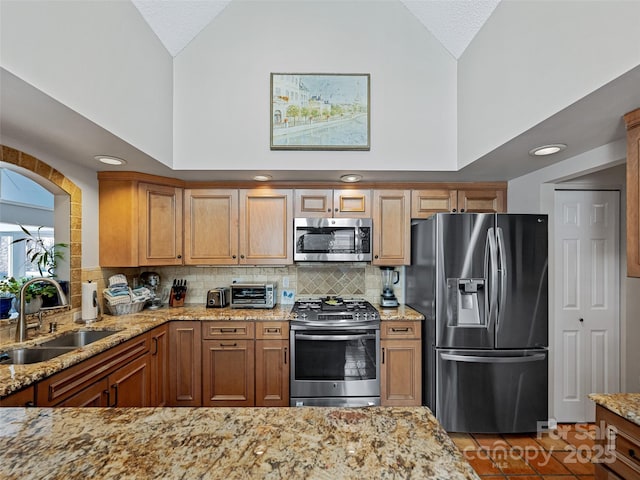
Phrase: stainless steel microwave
[332,239]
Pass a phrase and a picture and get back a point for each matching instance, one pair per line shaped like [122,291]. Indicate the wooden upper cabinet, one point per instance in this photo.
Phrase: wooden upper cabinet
[118,222]
[160,227]
[348,203]
[425,203]
[266,227]
[210,227]
[632,121]
[391,227]
[481,201]
[472,199]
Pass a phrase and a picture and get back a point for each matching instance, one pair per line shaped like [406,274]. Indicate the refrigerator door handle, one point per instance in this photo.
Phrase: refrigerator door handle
[502,274]
[490,251]
[479,359]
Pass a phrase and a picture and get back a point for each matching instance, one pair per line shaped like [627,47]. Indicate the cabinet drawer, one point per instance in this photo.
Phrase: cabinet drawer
[22,398]
[61,386]
[214,330]
[407,329]
[272,330]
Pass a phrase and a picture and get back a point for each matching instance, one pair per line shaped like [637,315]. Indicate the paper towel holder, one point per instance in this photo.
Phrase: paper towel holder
[96,304]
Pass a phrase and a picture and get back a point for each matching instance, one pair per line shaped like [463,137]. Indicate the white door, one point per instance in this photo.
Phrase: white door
[586,335]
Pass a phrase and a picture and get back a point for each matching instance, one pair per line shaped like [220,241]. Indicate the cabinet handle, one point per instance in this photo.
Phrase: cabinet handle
[155,344]
[228,330]
[375,256]
[400,330]
[285,355]
[241,256]
[454,210]
[179,256]
[115,388]
[233,256]
[632,453]
[30,404]
[383,356]
[108,394]
[272,330]
[228,344]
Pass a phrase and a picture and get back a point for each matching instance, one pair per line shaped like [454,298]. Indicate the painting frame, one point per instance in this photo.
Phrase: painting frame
[320,111]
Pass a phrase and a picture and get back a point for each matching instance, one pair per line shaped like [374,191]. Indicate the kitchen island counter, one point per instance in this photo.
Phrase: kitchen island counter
[229,443]
[627,405]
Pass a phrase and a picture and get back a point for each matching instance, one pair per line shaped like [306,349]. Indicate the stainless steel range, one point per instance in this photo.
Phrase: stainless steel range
[335,349]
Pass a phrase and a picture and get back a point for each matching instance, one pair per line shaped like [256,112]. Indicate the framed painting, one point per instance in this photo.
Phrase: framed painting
[320,111]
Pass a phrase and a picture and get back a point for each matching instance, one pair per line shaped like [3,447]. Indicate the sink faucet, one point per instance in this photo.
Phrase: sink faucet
[21,330]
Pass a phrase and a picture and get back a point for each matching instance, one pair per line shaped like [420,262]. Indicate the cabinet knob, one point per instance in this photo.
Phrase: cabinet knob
[30,404]
[375,256]
[179,256]
[454,210]
[241,256]
[462,210]
[632,453]
[581,319]
[335,209]
[233,256]
[328,210]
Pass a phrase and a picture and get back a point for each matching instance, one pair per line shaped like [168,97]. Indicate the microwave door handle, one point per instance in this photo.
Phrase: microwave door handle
[303,336]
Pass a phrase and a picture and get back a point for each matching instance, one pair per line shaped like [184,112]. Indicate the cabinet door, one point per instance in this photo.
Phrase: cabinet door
[391,227]
[632,121]
[96,395]
[159,360]
[160,225]
[266,227]
[23,398]
[228,373]
[352,203]
[400,373]
[482,201]
[210,227]
[313,203]
[130,386]
[185,364]
[118,222]
[425,203]
[272,373]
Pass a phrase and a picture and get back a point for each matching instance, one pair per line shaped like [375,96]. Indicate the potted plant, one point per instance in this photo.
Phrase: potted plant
[46,258]
[34,294]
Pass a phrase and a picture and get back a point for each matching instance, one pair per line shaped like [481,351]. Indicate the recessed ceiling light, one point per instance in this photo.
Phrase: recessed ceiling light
[262,178]
[547,149]
[109,160]
[351,178]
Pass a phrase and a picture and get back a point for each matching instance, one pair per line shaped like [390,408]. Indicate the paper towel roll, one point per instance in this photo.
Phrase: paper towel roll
[89,301]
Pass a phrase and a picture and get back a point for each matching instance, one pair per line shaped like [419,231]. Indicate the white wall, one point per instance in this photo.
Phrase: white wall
[222,97]
[533,58]
[101,59]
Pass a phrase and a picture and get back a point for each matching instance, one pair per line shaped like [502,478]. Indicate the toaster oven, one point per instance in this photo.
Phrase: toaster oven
[253,295]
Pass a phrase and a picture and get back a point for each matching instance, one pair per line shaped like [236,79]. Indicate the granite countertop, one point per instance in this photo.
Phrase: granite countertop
[228,443]
[627,405]
[16,377]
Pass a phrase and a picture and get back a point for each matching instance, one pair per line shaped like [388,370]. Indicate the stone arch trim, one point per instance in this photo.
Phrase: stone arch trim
[44,170]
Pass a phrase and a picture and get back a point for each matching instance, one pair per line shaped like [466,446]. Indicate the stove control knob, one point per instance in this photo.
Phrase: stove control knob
[373,315]
[294,314]
[304,315]
[365,314]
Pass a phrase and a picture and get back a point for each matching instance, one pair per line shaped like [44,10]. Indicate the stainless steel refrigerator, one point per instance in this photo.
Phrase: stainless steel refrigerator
[480,280]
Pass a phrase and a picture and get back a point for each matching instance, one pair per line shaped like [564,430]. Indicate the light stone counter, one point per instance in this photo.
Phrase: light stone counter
[627,405]
[16,377]
[227,443]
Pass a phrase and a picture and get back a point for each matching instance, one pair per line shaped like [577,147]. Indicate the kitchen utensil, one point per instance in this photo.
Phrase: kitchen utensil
[178,293]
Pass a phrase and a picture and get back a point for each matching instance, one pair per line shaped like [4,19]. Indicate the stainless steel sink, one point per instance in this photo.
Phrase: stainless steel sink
[78,338]
[23,356]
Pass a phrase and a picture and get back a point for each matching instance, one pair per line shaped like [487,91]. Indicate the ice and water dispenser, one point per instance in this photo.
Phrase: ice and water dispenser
[466,301]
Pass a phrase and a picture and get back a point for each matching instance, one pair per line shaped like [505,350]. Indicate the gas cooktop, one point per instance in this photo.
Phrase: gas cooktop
[334,311]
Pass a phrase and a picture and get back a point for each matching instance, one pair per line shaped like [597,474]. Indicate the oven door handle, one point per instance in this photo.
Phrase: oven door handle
[303,336]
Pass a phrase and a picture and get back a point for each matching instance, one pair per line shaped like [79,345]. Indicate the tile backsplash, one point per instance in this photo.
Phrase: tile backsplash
[304,280]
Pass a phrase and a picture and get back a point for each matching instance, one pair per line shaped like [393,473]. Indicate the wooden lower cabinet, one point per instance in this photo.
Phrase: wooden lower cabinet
[185,364]
[401,364]
[159,365]
[96,395]
[272,364]
[617,449]
[124,367]
[22,398]
[228,373]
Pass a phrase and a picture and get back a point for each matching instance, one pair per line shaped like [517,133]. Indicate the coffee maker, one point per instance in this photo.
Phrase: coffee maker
[151,280]
[389,278]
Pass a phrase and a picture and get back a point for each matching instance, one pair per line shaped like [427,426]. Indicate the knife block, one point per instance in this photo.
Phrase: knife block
[177,296]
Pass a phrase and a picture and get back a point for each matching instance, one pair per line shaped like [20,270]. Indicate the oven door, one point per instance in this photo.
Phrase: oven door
[335,363]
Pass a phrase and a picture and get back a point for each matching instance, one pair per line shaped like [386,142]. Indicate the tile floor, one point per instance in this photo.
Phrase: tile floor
[561,454]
